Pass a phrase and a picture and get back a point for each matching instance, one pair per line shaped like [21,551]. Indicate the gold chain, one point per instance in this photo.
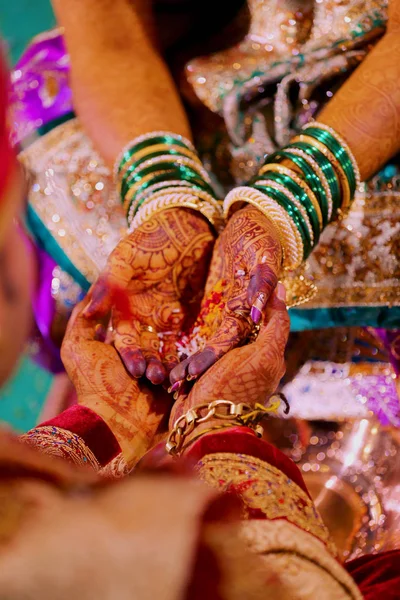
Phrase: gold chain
[241,414]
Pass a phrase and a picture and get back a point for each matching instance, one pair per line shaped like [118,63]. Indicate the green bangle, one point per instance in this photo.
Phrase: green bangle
[196,180]
[338,151]
[312,180]
[179,170]
[297,191]
[138,162]
[328,171]
[293,212]
[158,139]
[277,157]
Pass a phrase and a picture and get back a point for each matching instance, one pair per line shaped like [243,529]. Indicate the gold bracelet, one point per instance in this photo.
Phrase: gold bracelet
[132,191]
[202,194]
[297,179]
[344,184]
[342,142]
[292,198]
[182,200]
[148,136]
[157,148]
[241,414]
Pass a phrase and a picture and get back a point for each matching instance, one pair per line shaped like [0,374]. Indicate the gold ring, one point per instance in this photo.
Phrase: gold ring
[148,328]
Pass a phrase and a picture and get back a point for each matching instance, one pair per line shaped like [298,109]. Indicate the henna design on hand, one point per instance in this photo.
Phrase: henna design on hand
[161,268]
[249,374]
[247,257]
[134,412]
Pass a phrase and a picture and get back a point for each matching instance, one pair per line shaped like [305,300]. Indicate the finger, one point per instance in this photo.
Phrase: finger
[114,279]
[80,328]
[263,281]
[233,331]
[178,375]
[101,298]
[271,342]
[169,351]
[150,345]
[127,344]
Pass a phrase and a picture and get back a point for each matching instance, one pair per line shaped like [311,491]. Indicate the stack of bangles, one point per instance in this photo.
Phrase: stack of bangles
[159,171]
[302,188]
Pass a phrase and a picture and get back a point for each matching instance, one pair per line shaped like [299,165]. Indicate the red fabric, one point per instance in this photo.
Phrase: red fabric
[7,157]
[242,440]
[377,575]
[91,428]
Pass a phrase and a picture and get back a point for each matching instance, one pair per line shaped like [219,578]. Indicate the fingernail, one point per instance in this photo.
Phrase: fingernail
[176,395]
[281,292]
[255,314]
[174,387]
[191,377]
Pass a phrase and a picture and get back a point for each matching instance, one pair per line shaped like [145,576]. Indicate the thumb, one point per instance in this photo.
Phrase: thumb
[276,324]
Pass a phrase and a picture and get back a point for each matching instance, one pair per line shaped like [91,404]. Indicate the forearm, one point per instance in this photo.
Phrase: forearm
[366,109]
[121,86]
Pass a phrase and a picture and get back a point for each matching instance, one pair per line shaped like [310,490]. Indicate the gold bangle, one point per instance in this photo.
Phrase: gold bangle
[157,148]
[201,194]
[344,184]
[167,202]
[148,136]
[241,414]
[274,167]
[342,142]
[132,190]
[292,198]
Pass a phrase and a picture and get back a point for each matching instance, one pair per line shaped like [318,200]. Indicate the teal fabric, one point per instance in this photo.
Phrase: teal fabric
[21,401]
[20,20]
[46,241]
[320,318]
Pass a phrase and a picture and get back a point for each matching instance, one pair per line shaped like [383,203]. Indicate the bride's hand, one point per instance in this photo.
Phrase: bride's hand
[250,374]
[133,411]
[153,283]
[246,262]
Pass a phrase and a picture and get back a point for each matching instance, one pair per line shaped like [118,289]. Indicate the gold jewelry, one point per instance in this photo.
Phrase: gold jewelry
[317,169]
[289,235]
[293,175]
[344,184]
[175,160]
[154,207]
[201,194]
[157,148]
[147,136]
[241,414]
[148,328]
[132,191]
[341,141]
[292,198]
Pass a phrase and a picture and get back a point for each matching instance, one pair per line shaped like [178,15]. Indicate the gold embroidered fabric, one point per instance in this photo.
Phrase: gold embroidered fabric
[356,262]
[264,488]
[74,196]
[116,468]
[304,567]
[61,443]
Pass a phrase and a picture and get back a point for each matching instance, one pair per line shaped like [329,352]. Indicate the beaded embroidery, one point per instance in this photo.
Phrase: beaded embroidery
[61,443]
